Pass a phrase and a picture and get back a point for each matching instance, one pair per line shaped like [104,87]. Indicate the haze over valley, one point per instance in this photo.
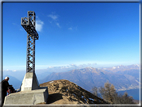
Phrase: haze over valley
[122,77]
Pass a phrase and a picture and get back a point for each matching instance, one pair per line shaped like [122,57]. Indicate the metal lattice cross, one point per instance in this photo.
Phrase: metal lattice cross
[28,23]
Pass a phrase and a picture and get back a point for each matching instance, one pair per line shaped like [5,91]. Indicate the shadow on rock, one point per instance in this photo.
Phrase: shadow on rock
[54,97]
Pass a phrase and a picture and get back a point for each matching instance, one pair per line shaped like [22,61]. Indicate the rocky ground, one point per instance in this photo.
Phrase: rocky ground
[66,92]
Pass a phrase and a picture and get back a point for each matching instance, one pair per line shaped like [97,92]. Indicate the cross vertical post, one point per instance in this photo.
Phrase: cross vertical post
[28,24]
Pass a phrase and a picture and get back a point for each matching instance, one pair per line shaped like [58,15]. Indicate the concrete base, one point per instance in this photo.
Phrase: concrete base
[30,82]
[27,97]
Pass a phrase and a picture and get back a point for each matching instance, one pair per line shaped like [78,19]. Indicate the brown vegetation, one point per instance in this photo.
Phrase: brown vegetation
[66,92]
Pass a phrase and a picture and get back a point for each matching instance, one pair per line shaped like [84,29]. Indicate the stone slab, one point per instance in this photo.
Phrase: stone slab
[27,97]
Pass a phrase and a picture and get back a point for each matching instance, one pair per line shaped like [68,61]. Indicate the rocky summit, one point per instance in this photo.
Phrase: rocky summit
[66,92]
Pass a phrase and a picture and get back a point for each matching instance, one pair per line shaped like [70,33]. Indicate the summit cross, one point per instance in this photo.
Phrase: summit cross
[30,91]
[28,23]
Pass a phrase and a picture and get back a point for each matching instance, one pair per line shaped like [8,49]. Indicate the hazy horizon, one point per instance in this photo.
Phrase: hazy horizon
[68,67]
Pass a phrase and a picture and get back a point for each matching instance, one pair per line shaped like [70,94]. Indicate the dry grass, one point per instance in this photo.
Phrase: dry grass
[66,92]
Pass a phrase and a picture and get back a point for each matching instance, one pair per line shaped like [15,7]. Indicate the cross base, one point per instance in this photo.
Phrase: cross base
[30,92]
[30,82]
[33,97]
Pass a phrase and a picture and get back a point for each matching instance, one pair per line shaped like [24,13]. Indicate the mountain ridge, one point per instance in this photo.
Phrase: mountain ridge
[95,77]
[66,92]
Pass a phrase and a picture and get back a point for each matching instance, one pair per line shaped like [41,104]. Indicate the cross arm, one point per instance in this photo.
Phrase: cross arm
[28,26]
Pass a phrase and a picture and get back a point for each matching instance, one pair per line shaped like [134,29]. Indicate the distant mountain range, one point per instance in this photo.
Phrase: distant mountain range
[122,77]
[122,68]
[20,74]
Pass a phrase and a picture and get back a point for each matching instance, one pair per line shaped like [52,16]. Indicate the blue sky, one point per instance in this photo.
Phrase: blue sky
[100,34]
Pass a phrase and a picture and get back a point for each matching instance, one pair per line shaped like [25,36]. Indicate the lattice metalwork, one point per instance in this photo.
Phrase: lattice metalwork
[28,23]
